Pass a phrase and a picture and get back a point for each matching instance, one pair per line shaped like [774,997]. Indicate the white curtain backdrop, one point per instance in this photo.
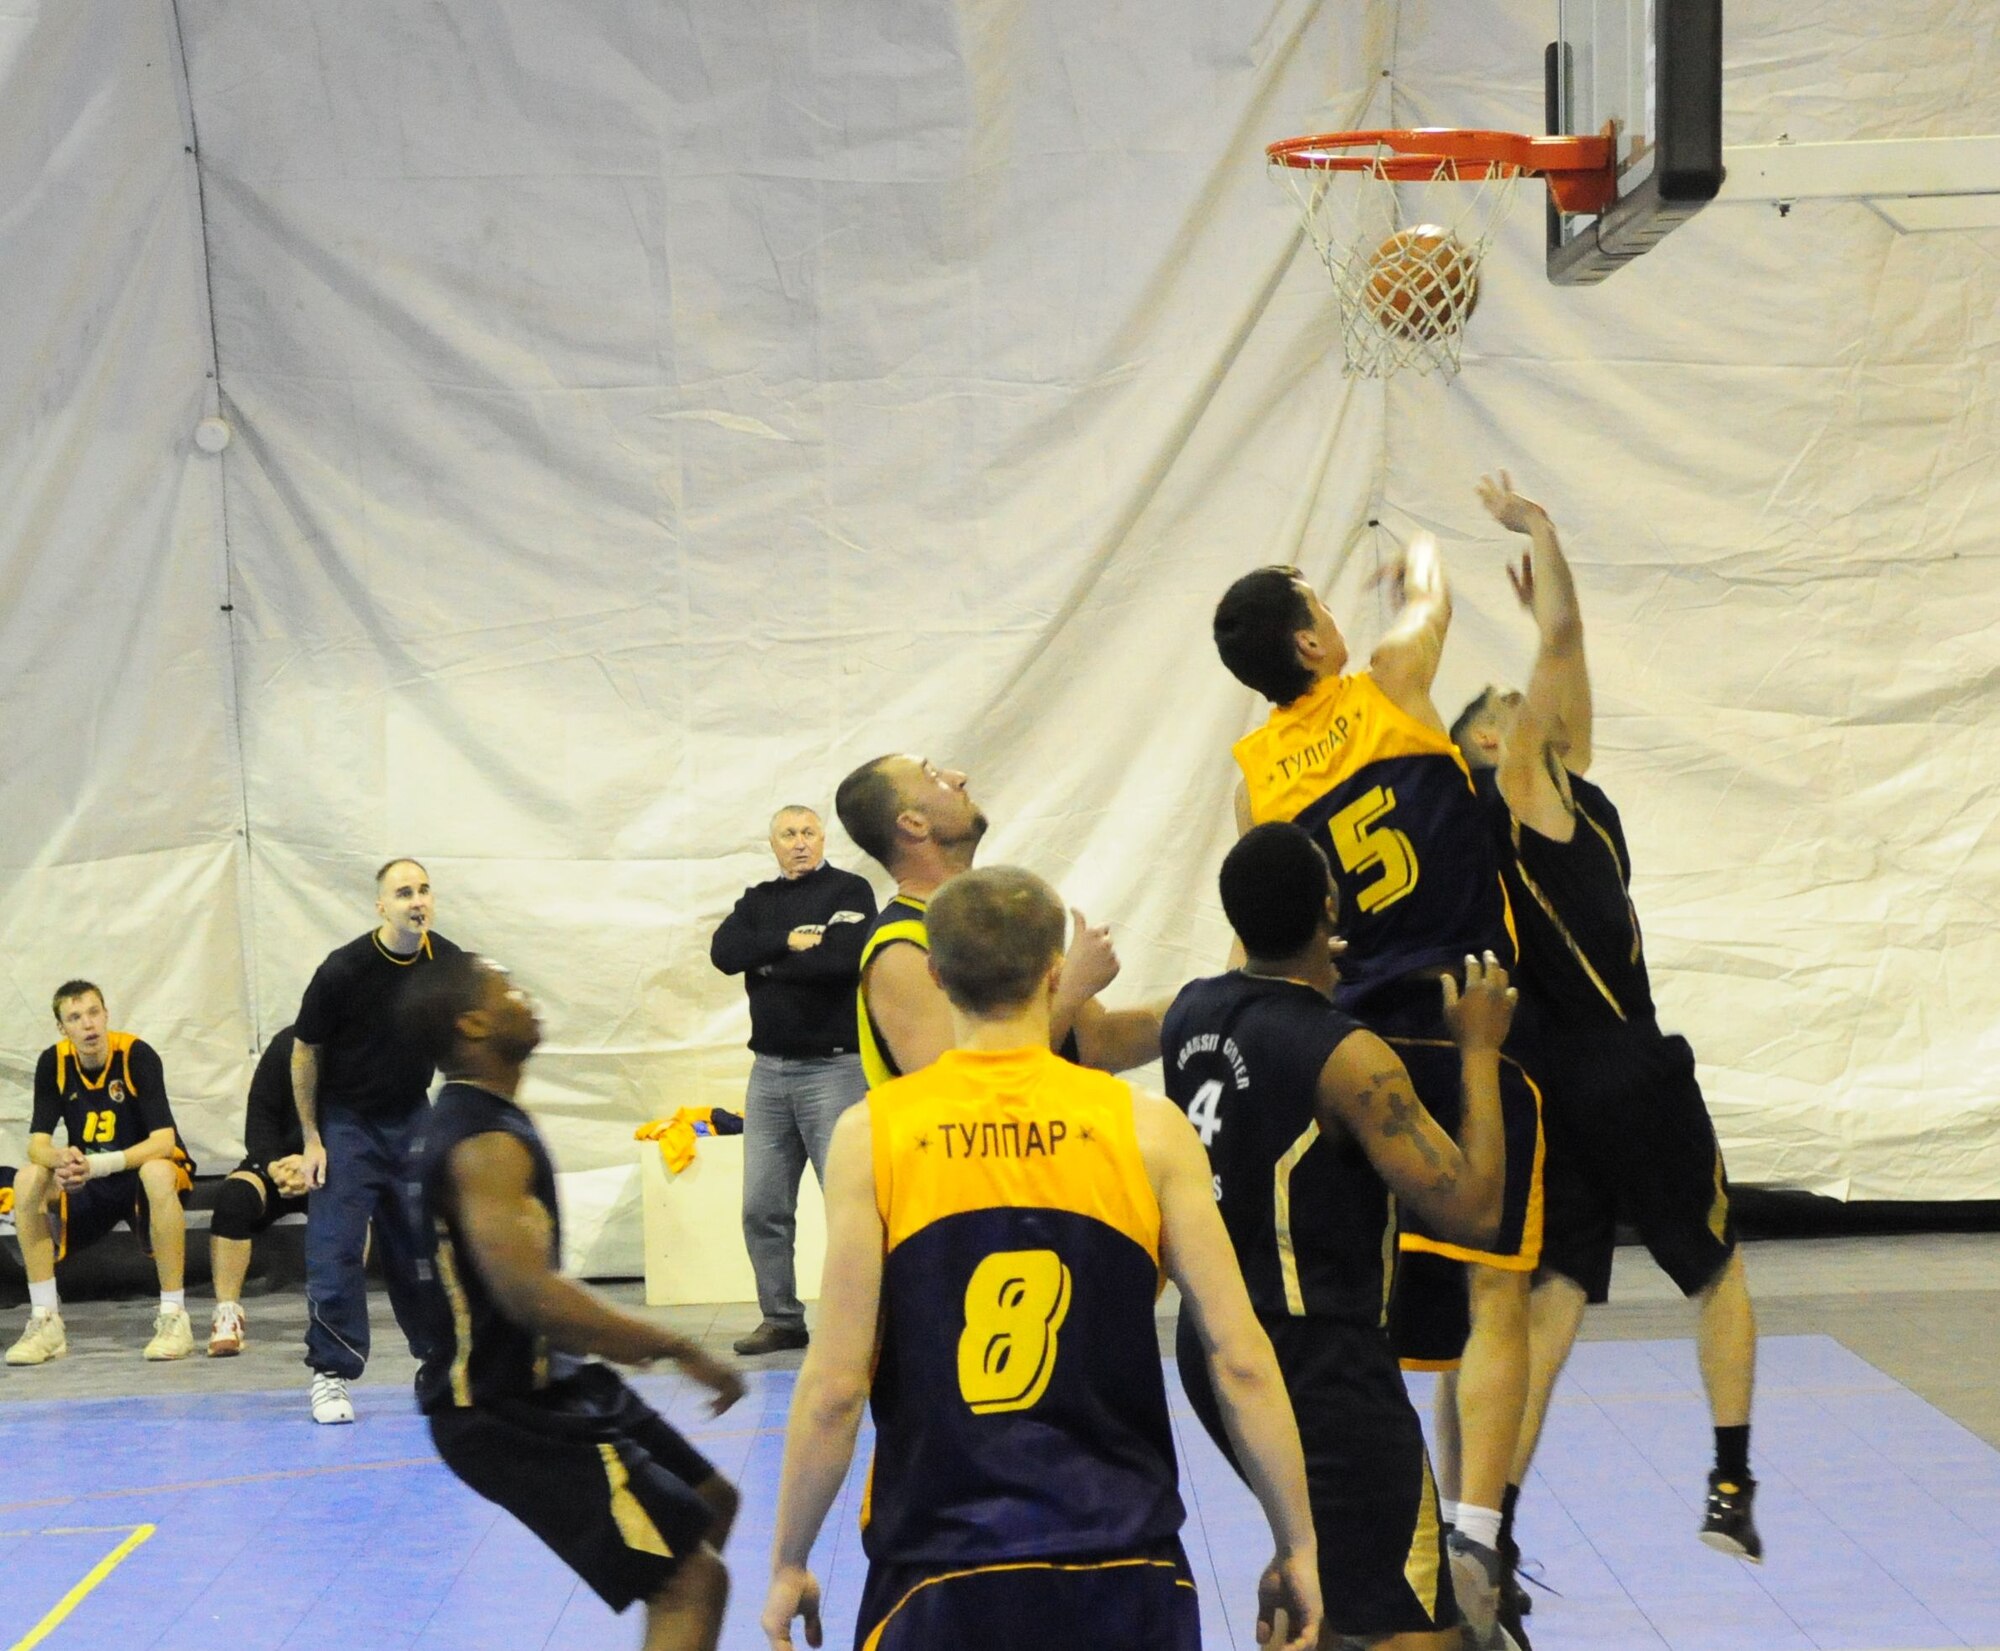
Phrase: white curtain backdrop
[644,413]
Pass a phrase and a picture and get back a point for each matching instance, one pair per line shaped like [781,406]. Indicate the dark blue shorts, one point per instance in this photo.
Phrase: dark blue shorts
[1140,1602]
[94,1209]
[591,1469]
[1382,1567]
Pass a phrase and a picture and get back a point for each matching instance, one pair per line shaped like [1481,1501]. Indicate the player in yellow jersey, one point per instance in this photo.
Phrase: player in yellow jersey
[998,1226]
[1363,761]
[919,822]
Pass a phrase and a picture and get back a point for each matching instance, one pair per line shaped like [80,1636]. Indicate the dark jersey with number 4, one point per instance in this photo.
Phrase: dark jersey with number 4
[480,1354]
[1313,1225]
[110,1110]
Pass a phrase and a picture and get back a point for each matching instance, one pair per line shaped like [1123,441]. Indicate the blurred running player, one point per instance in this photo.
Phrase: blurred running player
[517,1409]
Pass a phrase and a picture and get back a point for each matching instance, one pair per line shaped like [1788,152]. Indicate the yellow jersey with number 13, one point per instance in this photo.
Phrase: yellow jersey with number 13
[1020,1412]
[1392,803]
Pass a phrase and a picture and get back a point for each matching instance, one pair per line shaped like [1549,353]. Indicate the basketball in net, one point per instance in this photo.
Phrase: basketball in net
[1402,219]
[1421,282]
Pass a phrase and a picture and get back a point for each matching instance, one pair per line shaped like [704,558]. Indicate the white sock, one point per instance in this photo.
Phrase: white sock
[222,1304]
[1447,1512]
[1481,1525]
[42,1294]
[173,1301]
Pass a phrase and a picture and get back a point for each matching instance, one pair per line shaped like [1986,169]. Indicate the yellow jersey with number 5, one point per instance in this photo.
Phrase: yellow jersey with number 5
[1392,803]
[1020,1410]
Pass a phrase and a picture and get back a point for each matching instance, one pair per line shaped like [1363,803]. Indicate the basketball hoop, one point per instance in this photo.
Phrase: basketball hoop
[1402,221]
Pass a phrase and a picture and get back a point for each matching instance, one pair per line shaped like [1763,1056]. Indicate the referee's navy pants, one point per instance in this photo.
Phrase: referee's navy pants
[364,1160]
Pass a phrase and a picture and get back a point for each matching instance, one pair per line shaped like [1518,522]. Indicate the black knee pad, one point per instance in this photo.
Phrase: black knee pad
[239,1210]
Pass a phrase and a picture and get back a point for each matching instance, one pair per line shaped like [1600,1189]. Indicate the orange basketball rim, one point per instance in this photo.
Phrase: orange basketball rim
[1582,172]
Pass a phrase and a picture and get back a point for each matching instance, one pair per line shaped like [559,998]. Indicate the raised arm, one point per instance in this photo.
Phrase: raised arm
[1405,661]
[1249,1388]
[1365,1092]
[1556,713]
[833,1384]
[506,1232]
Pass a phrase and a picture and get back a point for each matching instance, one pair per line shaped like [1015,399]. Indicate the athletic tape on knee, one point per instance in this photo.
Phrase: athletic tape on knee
[238,1209]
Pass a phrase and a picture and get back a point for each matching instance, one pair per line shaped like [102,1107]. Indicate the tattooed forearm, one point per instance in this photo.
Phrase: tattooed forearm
[1397,1112]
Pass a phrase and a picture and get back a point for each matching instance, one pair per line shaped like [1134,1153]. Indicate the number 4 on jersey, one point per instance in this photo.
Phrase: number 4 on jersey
[1202,1110]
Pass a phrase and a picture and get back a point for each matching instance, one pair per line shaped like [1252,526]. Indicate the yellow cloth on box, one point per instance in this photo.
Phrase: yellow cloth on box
[676,1136]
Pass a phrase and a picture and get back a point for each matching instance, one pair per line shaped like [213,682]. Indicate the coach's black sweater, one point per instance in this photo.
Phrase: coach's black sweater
[801,1003]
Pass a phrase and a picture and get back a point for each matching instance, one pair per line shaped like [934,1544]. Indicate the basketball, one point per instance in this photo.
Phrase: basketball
[1422,282]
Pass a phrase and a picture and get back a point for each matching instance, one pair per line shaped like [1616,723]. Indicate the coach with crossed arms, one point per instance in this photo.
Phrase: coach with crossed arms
[796,940]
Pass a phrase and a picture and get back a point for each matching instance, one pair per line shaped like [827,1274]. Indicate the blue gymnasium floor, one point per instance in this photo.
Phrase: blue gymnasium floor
[1881,1515]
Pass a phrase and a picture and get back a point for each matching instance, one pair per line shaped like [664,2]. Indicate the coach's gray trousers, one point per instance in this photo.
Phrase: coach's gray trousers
[788,1119]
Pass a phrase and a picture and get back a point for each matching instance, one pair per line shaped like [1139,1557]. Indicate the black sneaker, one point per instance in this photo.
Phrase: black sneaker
[772,1338]
[1728,1527]
[1513,1603]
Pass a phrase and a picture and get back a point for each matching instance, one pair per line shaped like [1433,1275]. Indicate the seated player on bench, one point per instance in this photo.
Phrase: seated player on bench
[123,1161]
[268,1184]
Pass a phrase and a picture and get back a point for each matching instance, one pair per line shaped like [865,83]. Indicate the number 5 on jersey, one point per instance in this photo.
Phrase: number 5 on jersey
[1014,1305]
[1362,841]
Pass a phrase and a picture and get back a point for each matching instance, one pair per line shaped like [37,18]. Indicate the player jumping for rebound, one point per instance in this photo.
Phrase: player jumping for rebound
[1363,762]
[1628,1131]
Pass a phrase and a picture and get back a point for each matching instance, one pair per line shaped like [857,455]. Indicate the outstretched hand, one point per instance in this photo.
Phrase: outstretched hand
[723,1381]
[1510,509]
[1480,1015]
[1091,963]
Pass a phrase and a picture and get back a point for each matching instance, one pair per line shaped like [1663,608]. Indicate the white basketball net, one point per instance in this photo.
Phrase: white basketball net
[1404,294]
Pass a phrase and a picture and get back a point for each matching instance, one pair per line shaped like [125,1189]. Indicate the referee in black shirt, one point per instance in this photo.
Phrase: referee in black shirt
[797,942]
[360,1088]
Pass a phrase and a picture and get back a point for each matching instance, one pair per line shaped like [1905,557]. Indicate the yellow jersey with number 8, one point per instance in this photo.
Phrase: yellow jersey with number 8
[1019,1406]
[1391,801]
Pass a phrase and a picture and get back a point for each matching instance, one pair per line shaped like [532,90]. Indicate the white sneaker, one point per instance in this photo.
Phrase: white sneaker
[173,1335]
[329,1399]
[226,1331]
[42,1340]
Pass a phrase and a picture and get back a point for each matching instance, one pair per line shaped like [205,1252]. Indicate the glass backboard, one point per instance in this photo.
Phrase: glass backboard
[1651,71]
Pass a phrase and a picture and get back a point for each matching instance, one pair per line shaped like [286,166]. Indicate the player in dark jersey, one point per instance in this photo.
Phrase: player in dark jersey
[269,1184]
[997,1225]
[920,824]
[122,1162]
[1363,761]
[1628,1131]
[517,1409]
[1314,1134]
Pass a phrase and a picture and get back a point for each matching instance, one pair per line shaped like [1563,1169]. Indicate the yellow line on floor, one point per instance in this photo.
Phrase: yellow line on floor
[82,1591]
